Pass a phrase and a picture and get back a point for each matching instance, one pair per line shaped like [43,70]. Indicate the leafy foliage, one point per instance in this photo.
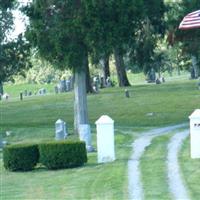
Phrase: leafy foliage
[14,58]
[57,30]
[20,157]
[152,29]
[6,18]
[14,55]
[57,155]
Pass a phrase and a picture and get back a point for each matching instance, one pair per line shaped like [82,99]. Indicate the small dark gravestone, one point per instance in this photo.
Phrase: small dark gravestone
[21,96]
[102,82]
[30,93]
[151,76]
[108,82]
[127,93]
[158,81]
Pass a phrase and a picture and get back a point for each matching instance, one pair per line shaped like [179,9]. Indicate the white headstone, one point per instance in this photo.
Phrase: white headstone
[105,139]
[85,135]
[60,127]
[195,134]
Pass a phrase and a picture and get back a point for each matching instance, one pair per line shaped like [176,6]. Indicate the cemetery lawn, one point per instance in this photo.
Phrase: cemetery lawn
[154,169]
[190,170]
[150,106]
[92,181]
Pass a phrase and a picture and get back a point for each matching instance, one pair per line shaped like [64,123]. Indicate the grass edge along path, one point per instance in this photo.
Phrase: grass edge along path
[190,170]
[154,170]
[176,184]
[139,145]
[92,181]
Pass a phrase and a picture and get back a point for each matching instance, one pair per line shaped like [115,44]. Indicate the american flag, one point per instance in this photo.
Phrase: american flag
[191,21]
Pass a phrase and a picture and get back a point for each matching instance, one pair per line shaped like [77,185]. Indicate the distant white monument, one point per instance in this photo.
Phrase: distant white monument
[61,132]
[195,134]
[105,139]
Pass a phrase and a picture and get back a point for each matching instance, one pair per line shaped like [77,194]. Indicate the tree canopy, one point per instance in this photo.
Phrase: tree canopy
[14,55]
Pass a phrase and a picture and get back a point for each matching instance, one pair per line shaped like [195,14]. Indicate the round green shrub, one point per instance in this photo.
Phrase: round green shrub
[62,154]
[20,157]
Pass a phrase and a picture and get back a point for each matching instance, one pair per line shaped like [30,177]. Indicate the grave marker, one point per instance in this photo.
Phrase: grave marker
[60,127]
[127,93]
[21,96]
[105,139]
[85,135]
[195,134]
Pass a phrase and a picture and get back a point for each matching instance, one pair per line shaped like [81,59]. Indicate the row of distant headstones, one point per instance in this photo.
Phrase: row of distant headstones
[62,86]
[59,88]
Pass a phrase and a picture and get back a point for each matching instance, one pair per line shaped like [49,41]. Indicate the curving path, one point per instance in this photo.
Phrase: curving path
[176,185]
[139,145]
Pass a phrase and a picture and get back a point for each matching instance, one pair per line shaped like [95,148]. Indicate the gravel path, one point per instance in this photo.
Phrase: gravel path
[139,145]
[176,185]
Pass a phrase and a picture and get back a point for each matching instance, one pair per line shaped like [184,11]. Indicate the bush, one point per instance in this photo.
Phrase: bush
[20,157]
[62,154]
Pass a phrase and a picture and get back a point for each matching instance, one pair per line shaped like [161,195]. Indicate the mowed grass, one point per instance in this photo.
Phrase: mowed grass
[190,170]
[33,119]
[92,181]
[149,105]
[154,170]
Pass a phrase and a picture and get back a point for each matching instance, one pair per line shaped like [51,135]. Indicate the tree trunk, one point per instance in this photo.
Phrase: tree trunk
[121,72]
[80,107]
[80,103]
[195,69]
[1,88]
[89,88]
[106,68]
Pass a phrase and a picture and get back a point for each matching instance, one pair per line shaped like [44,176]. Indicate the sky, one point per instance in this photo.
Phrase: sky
[20,20]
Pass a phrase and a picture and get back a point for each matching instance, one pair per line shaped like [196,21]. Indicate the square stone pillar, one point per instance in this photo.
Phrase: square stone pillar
[195,134]
[105,139]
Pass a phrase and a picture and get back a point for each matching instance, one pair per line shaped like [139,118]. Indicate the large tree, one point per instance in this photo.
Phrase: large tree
[115,23]
[14,55]
[58,29]
[151,31]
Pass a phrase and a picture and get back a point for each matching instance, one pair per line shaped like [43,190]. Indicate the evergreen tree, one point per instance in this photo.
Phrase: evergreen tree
[58,31]
[115,24]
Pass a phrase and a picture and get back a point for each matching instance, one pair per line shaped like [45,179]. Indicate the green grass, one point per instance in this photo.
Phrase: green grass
[190,170]
[99,181]
[33,119]
[170,104]
[14,90]
[154,170]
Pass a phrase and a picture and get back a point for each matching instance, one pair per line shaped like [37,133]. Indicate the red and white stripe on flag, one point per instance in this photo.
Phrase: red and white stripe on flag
[190,21]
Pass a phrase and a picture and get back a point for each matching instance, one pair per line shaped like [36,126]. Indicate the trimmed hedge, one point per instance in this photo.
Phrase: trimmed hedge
[20,157]
[62,154]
